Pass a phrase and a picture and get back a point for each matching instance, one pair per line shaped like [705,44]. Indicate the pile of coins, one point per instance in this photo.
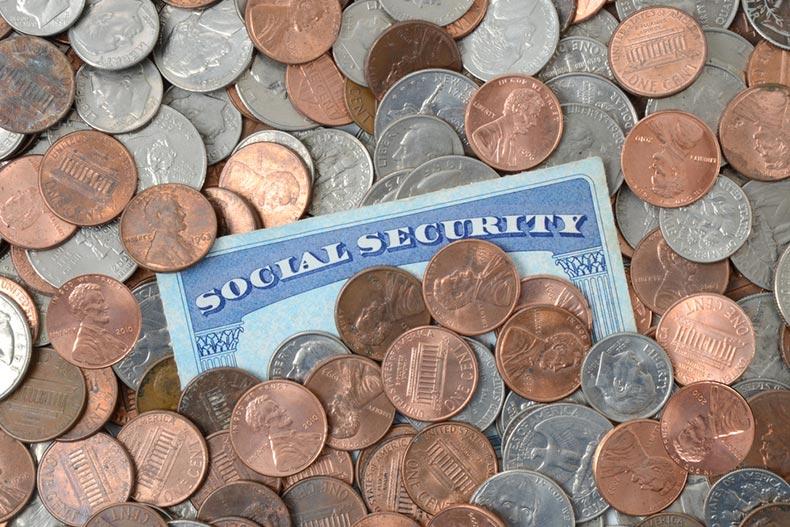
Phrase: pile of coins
[134,133]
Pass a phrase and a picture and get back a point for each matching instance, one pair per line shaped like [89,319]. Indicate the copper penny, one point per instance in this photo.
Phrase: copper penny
[140,276]
[707,428]
[771,448]
[25,219]
[26,272]
[324,501]
[5,28]
[160,387]
[642,314]
[586,9]
[87,177]
[670,519]
[333,463]
[786,345]
[376,306]
[37,83]
[386,519]
[316,89]
[352,394]
[18,294]
[660,276]
[471,286]
[707,337]
[445,463]
[168,227]
[212,176]
[190,4]
[48,402]
[770,515]
[252,500]
[209,398]
[234,214]
[78,479]
[293,31]
[471,19]
[102,392]
[234,521]
[625,249]
[429,373]
[513,122]
[739,286]
[545,289]
[278,428]
[93,321]
[657,51]
[539,353]
[458,515]
[633,471]
[18,476]
[755,132]
[362,460]
[233,95]
[252,125]
[272,178]
[406,47]
[126,515]
[125,410]
[768,64]
[361,104]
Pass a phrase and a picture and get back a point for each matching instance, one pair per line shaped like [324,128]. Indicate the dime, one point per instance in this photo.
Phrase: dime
[577,54]
[750,388]
[385,519]
[728,50]
[413,140]
[159,388]
[707,428]
[333,463]
[469,21]
[769,64]
[546,289]
[126,515]
[255,501]
[514,122]
[736,494]
[10,143]
[323,501]
[633,470]
[767,362]
[465,515]
[296,357]
[20,480]
[102,392]
[234,214]
[771,433]
[305,82]
[600,26]
[363,22]
[772,513]
[209,398]
[768,19]
[41,19]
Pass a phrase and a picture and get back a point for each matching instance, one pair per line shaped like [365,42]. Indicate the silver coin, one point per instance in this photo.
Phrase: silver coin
[523,498]
[16,345]
[440,13]
[154,342]
[515,36]
[771,19]
[42,18]
[752,387]
[363,22]
[281,138]
[768,325]
[34,515]
[262,90]
[589,131]
[92,250]
[167,150]
[367,140]
[411,141]
[493,437]
[115,34]
[728,50]
[782,285]
[770,235]
[241,7]
[187,514]
[709,13]
[595,522]
[71,123]
[600,27]
[627,376]
[513,406]
[559,440]
[515,424]
[385,189]
[441,93]
[738,493]
[217,121]
[118,101]
[635,218]
[444,172]
[343,170]
[692,500]
[615,518]
[586,88]
[486,402]
[202,50]
[186,523]
[9,142]
[296,357]
[712,228]
[578,55]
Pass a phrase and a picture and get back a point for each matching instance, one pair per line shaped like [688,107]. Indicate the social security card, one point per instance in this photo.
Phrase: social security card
[254,290]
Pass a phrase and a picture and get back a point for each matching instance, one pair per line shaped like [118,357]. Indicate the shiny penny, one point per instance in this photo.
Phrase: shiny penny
[26,272]
[168,227]
[19,476]
[376,306]
[316,89]
[471,19]
[768,64]
[771,448]
[254,501]
[93,321]
[707,337]
[551,290]
[18,294]
[160,387]
[324,501]
[429,373]
[278,428]
[102,388]
[361,104]
[87,178]
[513,122]
[234,214]
[770,515]
[126,515]
[642,314]
[333,463]
[386,519]
[707,428]
[209,398]
[586,9]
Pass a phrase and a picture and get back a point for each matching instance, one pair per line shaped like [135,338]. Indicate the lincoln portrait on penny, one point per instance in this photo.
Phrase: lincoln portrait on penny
[94,345]
[166,217]
[499,140]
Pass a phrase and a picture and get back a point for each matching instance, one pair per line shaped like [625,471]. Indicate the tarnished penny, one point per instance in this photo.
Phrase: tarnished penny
[429,373]
[87,178]
[17,293]
[465,515]
[386,519]
[18,476]
[93,321]
[657,51]
[361,105]
[642,314]
[586,9]
[333,463]
[376,306]
[633,471]
[513,122]
[786,345]
[324,501]
[293,32]
[160,387]
[771,448]
[102,392]
[252,500]
[406,47]
[170,457]
[209,398]
[26,272]
[37,83]
[78,479]
[707,337]
[234,214]
[545,289]
[126,515]
[707,428]
[770,515]
[471,286]
[768,64]
[670,158]
[755,132]
[362,460]
[168,227]
[471,19]
[125,410]
[661,277]
[445,463]
[316,89]
[272,178]
[278,428]
[539,353]
[25,219]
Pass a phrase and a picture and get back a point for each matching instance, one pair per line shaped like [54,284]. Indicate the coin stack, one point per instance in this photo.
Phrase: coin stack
[134,133]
